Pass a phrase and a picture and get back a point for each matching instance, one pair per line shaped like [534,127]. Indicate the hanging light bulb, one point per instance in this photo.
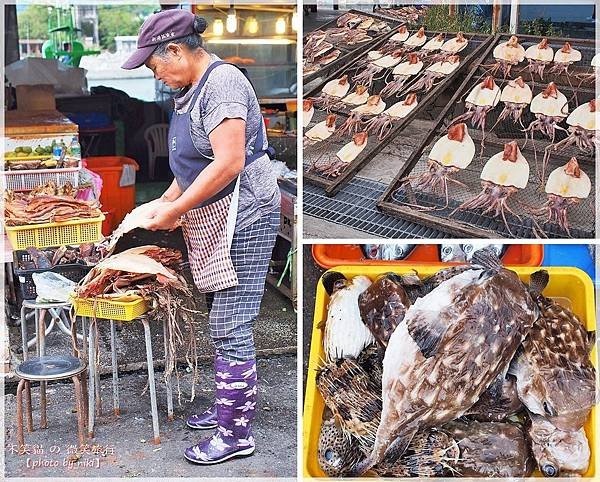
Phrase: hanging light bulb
[231,23]
[252,25]
[280,26]
[295,20]
[218,27]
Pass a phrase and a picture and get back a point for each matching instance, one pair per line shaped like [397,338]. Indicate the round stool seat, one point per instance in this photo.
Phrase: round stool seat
[33,304]
[51,367]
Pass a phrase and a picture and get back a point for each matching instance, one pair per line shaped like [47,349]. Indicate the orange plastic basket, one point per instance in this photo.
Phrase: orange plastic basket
[330,255]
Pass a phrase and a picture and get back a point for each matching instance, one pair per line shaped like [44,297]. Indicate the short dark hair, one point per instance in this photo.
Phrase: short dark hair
[192,41]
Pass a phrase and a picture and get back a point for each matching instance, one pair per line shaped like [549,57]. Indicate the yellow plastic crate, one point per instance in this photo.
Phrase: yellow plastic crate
[110,310]
[74,232]
[570,284]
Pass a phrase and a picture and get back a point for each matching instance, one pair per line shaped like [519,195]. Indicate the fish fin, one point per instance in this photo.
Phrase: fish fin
[427,334]
[538,282]
[399,445]
[591,340]
[487,259]
[513,366]
[330,279]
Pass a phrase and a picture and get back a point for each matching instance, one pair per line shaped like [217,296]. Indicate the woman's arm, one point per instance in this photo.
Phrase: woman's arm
[228,142]
[172,193]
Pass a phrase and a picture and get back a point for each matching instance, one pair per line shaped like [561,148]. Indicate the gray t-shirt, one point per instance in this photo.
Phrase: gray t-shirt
[227,94]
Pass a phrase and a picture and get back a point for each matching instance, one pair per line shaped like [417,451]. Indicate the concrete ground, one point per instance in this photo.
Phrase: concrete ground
[124,445]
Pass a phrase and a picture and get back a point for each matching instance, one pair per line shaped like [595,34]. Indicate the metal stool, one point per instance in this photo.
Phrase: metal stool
[58,313]
[45,369]
[94,394]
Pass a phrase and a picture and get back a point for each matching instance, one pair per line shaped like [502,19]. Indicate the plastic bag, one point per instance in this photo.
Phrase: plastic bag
[52,287]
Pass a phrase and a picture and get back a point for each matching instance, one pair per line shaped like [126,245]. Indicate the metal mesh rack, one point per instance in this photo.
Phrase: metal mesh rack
[354,206]
[347,51]
[327,150]
[399,200]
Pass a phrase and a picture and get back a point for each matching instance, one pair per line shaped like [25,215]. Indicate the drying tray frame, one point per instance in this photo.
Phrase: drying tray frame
[332,186]
[386,202]
[348,54]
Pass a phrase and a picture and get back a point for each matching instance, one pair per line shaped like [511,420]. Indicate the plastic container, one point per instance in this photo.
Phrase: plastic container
[73,272]
[110,310]
[113,197]
[27,180]
[330,255]
[47,235]
[570,283]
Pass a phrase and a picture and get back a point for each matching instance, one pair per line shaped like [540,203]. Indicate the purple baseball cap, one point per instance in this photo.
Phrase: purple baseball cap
[157,28]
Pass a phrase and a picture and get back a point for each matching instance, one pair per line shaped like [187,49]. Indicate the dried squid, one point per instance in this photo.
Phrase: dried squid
[516,95]
[332,92]
[507,54]
[539,56]
[435,72]
[358,97]
[582,129]
[480,101]
[402,72]
[565,57]
[347,154]
[502,176]
[321,131]
[401,35]
[416,40]
[308,111]
[550,107]
[374,106]
[451,47]
[567,185]
[383,123]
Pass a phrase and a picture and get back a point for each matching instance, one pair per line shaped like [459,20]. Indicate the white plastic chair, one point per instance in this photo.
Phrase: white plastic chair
[156,137]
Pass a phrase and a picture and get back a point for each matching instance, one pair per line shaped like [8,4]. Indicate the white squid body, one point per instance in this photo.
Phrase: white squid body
[401,35]
[455,45]
[516,94]
[320,131]
[444,67]
[536,53]
[355,98]
[307,116]
[407,69]
[345,334]
[583,117]
[416,40]
[595,61]
[452,153]
[371,109]
[513,55]
[434,44]
[402,351]
[550,106]
[374,54]
[400,109]
[387,61]
[481,96]
[561,57]
[366,23]
[506,173]
[562,184]
[336,89]
[351,151]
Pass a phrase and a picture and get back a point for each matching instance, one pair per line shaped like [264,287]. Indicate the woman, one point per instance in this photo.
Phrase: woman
[228,200]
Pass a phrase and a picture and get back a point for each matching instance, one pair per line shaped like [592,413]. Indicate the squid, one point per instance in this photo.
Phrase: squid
[567,186]
[332,93]
[565,57]
[383,123]
[374,106]
[583,129]
[417,40]
[550,107]
[449,155]
[502,176]
[507,54]
[402,72]
[539,56]
[358,97]
[401,35]
[591,77]
[308,111]
[321,131]
[435,72]
[347,154]
[431,46]
[480,101]
[451,47]
[516,95]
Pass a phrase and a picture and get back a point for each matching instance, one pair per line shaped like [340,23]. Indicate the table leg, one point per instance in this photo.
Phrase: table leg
[20,436]
[97,371]
[28,410]
[84,392]
[85,344]
[24,331]
[151,380]
[80,409]
[168,377]
[115,368]
[42,351]
[92,384]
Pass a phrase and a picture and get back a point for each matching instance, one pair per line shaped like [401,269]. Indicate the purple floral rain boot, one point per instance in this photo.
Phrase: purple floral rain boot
[206,420]
[236,406]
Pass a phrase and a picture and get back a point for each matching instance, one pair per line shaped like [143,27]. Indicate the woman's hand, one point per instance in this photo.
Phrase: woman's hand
[165,216]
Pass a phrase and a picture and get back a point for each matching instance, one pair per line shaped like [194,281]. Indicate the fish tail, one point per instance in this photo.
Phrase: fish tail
[538,282]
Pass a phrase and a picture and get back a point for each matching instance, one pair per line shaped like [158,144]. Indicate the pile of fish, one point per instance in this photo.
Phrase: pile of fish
[87,254]
[410,14]
[469,372]
[47,204]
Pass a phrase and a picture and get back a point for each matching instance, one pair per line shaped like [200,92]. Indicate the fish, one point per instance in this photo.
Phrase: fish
[558,453]
[491,449]
[336,451]
[498,402]
[394,251]
[39,258]
[554,373]
[344,334]
[452,344]
[460,253]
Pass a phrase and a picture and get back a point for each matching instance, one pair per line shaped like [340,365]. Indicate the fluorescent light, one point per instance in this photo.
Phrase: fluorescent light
[295,20]
[252,25]
[280,26]
[231,23]
[251,41]
[218,27]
